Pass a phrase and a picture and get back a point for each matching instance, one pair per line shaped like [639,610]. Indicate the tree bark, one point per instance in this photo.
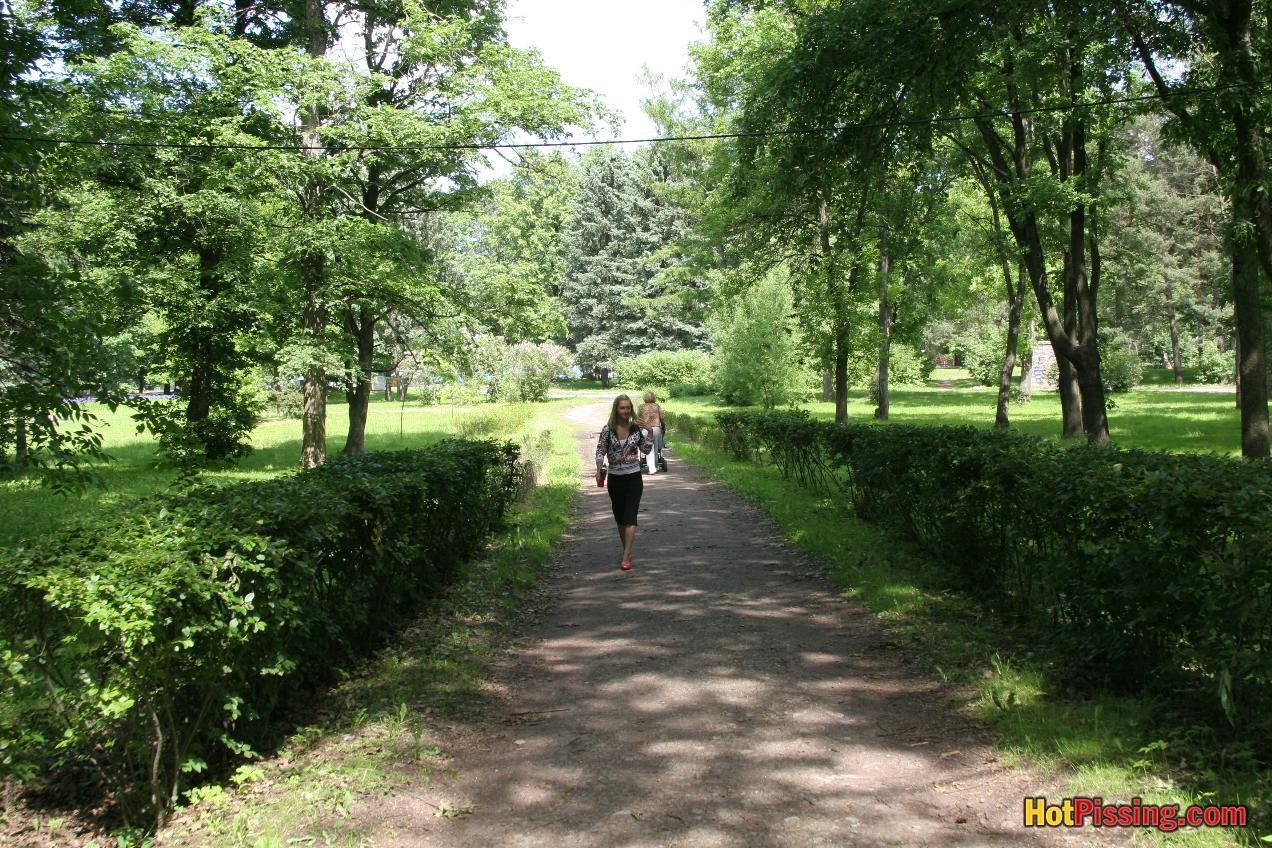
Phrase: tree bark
[313,262]
[828,384]
[838,298]
[1176,358]
[313,448]
[361,325]
[1251,370]
[1026,364]
[1015,306]
[1236,369]
[21,448]
[886,312]
[203,359]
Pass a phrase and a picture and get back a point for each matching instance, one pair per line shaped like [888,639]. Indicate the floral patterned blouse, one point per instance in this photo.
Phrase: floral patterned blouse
[623,454]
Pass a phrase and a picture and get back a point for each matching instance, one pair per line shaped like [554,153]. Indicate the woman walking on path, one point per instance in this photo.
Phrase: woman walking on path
[650,415]
[621,442]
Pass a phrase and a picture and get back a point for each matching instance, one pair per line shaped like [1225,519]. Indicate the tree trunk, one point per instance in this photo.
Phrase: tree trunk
[21,449]
[1176,358]
[828,384]
[403,385]
[1252,370]
[203,359]
[886,312]
[313,448]
[313,263]
[1014,307]
[1026,364]
[362,327]
[1236,369]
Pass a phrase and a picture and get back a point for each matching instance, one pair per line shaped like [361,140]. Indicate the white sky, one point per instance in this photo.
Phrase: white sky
[603,44]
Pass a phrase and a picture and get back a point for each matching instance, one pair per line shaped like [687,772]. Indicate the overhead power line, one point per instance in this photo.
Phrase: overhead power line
[838,128]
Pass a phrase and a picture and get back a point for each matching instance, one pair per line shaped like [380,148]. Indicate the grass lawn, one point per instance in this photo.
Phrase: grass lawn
[31,509]
[1153,417]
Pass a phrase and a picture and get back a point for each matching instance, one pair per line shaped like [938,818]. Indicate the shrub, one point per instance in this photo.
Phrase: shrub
[1213,367]
[756,361]
[909,367]
[151,644]
[468,393]
[664,368]
[286,400]
[983,357]
[526,371]
[1154,570]
[1120,366]
[500,420]
[683,390]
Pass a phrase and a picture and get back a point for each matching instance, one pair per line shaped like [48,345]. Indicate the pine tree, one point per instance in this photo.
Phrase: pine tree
[618,303]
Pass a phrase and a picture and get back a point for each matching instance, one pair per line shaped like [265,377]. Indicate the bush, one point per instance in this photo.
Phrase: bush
[500,420]
[908,367]
[1120,366]
[286,400]
[169,636]
[664,368]
[468,393]
[683,390]
[756,361]
[983,357]
[526,371]
[1154,570]
[1213,367]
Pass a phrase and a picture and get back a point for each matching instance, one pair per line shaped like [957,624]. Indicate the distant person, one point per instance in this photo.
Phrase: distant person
[621,442]
[650,416]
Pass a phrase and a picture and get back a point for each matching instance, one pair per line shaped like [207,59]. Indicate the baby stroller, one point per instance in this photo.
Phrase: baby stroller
[654,459]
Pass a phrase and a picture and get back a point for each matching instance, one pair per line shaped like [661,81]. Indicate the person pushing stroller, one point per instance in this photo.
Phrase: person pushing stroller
[650,415]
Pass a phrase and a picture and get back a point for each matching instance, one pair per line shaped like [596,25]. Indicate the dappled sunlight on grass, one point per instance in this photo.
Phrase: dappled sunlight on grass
[136,468]
[1149,418]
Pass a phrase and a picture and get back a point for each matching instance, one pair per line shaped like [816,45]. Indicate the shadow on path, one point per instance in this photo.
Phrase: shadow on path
[717,695]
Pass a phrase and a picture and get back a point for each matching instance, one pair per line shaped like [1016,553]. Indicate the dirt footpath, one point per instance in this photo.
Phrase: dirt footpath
[720,694]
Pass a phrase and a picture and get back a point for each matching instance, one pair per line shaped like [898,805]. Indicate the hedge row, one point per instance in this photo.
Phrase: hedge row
[163,640]
[1148,567]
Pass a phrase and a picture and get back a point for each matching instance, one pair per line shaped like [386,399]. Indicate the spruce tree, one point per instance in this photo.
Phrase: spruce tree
[619,303]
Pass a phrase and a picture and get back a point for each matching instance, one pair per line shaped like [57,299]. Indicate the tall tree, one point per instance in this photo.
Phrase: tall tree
[615,304]
[1222,45]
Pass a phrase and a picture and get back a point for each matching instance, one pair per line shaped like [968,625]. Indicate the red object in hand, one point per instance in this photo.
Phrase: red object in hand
[600,479]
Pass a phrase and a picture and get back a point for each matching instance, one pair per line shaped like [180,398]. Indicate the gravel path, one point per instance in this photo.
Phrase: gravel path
[720,694]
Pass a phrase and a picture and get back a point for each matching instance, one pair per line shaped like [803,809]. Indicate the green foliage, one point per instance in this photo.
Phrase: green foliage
[983,353]
[621,299]
[663,368]
[1154,572]
[1120,366]
[1213,367]
[756,354]
[494,421]
[520,372]
[285,400]
[154,643]
[683,390]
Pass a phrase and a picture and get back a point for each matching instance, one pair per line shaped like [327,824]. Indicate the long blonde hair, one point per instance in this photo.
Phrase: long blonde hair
[613,419]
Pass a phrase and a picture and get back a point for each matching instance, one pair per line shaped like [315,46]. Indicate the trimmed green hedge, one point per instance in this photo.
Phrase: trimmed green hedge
[161,641]
[1149,568]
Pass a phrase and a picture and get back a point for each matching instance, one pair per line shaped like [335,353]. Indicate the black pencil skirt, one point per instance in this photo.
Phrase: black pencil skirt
[625,491]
